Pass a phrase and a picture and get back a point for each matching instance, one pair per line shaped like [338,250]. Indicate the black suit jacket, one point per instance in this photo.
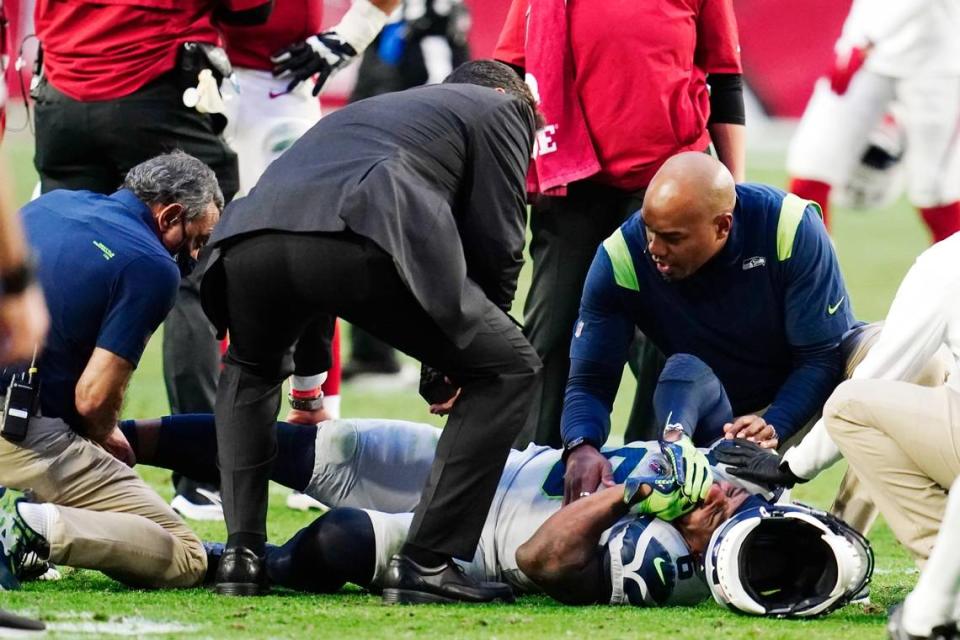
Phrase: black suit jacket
[435,176]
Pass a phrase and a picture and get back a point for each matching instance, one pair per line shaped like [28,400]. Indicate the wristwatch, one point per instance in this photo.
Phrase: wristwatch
[568,447]
[306,400]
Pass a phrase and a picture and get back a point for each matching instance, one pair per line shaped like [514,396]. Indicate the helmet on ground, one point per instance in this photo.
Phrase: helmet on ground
[785,561]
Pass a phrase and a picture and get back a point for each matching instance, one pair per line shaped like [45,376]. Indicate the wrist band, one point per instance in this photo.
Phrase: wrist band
[303,402]
[18,279]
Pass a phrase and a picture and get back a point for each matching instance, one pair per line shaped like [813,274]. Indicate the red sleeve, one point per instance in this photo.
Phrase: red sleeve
[510,46]
[718,44]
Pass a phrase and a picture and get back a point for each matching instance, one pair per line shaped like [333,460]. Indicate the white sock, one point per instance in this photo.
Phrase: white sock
[933,600]
[39,517]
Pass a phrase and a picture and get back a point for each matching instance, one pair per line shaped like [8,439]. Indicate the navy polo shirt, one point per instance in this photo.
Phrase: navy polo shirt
[108,280]
[767,314]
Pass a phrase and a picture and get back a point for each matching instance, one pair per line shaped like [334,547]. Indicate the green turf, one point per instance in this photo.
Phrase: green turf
[875,251]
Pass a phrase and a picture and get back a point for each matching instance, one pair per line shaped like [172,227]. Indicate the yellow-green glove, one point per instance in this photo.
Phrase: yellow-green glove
[678,490]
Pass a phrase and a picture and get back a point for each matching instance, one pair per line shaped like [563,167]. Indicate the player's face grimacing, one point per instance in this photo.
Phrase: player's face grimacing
[722,502]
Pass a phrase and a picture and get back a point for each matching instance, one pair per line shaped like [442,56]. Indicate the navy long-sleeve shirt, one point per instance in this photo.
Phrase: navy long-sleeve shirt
[767,314]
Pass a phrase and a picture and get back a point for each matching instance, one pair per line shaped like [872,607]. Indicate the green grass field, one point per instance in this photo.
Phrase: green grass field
[875,250]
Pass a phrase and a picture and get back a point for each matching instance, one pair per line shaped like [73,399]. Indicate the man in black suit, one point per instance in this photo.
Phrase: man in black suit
[403,214]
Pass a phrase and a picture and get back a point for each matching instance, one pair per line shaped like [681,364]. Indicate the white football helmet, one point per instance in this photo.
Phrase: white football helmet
[786,561]
[879,177]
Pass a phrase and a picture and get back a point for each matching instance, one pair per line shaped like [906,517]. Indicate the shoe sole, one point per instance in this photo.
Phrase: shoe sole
[240,589]
[408,596]
[191,511]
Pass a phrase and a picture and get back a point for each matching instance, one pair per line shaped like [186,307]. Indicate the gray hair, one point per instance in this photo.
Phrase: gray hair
[176,177]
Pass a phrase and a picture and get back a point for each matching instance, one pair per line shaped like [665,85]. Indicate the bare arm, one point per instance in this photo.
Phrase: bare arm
[23,316]
[99,393]
[730,142]
[563,557]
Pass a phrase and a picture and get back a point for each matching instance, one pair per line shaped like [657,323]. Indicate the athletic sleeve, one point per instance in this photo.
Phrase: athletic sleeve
[598,351]
[916,325]
[718,42]
[651,565]
[511,45]
[142,296]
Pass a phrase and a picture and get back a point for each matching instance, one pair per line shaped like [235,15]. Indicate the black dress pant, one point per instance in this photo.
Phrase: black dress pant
[284,289]
[566,234]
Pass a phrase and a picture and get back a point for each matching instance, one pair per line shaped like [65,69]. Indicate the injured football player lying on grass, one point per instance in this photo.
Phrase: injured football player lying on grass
[724,535]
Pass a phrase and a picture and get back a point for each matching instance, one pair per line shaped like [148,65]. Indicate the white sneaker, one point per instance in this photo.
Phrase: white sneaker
[198,504]
[303,502]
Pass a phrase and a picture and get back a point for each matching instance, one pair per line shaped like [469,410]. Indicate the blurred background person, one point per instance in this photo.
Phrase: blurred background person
[903,51]
[619,100]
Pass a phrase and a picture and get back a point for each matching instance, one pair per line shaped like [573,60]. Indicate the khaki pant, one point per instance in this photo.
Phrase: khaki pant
[903,442]
[109,519]
[853,503]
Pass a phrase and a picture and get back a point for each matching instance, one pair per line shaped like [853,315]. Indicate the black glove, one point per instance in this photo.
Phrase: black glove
[321,54]
[750,461]
[434,387]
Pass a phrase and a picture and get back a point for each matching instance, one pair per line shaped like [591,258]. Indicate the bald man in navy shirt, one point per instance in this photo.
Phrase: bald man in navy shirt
[743,277]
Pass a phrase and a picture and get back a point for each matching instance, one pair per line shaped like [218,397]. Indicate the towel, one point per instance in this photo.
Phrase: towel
[564,151]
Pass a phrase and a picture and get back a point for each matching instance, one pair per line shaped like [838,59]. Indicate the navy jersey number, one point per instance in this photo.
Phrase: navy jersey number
[623,460]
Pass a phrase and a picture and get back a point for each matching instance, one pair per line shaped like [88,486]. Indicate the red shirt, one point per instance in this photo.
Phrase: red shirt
[290,21]
[109,49]
[641,70]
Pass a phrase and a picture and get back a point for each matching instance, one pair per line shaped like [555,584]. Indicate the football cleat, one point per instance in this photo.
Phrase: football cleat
[196,501]
[18,542]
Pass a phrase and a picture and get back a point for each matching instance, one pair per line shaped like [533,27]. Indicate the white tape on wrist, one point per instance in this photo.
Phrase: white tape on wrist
[361,24]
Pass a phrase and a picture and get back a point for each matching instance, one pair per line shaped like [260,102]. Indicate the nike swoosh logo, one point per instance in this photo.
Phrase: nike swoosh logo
[832,308]
[658,565]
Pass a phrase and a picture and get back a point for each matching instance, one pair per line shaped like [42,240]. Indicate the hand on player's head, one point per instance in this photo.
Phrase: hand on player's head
[722,501]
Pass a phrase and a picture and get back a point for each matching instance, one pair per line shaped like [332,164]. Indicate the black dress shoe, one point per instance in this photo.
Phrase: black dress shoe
[407,582]
[241,573]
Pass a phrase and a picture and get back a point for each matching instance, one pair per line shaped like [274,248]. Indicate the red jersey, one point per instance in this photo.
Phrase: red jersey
[110,48]
[641,70]
[290,21]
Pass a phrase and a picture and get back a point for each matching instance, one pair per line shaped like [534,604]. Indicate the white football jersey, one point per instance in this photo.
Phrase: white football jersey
[910,37]
[650,564]
[649,561]
[357,463]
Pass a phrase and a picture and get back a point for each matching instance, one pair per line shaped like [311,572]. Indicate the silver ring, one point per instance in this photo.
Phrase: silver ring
[584,494]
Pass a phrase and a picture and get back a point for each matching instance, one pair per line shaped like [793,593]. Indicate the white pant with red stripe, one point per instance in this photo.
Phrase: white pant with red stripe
[832,135]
